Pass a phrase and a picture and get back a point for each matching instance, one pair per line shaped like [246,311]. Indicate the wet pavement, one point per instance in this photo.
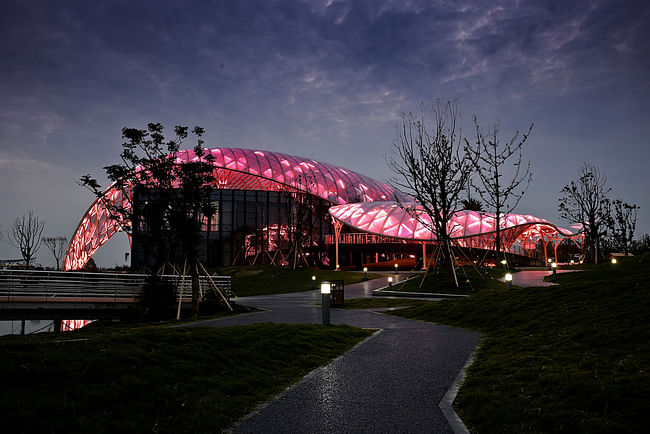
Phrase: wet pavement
[392,382]
[534,278]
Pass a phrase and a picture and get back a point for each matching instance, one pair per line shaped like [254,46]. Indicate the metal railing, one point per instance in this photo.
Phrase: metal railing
[362,238]
[72,286]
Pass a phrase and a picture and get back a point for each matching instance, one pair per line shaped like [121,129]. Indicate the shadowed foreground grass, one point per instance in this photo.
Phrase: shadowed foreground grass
[267,279]
[154,379]
[570,358]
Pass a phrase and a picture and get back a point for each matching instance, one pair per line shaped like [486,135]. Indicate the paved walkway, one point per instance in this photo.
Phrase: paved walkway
[392,382]
[534,278]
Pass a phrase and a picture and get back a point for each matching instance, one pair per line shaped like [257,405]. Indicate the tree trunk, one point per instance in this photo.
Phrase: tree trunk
[196,293]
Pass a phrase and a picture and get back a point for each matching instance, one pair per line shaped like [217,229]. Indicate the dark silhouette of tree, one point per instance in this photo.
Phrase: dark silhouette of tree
[584,201]
[56,245]
[642,245]
[621,222]
[431,164]
[495,160]
[299,213]
[25,235]
[471,204]
[166,200]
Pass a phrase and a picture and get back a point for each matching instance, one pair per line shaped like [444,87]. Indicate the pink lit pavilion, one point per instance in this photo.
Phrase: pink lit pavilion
[365,207]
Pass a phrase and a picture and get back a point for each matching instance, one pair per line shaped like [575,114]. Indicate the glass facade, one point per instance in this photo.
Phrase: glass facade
[254,226]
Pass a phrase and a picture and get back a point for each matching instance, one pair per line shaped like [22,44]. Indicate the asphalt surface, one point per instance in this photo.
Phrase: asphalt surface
[392,382]
[534,278]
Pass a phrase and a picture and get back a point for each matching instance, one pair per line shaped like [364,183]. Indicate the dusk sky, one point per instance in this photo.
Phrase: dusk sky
[321,79]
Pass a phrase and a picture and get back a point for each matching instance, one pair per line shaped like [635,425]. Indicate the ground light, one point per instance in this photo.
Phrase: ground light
[313,282]
[508,281]
[390,283]
[325,289]
[365,273]
[554,268]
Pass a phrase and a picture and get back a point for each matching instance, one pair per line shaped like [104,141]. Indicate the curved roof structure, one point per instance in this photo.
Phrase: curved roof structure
[240,169]
[389,219]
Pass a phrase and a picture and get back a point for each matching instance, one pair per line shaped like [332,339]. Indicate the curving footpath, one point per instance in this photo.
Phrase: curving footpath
[394,381]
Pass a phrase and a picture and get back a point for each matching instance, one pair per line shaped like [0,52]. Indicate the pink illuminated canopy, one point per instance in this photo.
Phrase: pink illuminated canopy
[389,219]
[240,169]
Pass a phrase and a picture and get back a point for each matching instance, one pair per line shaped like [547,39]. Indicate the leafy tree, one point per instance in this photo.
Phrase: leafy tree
[433,166]
[471,204]
[25,235]
[584,201]
[56,245]
[165,200]
[621,222]
[493,160]
[641,245]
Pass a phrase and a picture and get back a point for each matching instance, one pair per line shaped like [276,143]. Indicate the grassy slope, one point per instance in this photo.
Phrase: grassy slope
[570,358]
[266,279]
[156,379]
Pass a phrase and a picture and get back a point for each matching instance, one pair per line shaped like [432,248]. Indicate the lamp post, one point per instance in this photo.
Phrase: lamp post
[313,282]
[396,268]
[325,289]
[554,268]
[365,273]
[390,283]
[508,281]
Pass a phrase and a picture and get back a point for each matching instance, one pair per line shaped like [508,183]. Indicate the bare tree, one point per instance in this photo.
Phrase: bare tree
[584,201]
[299,212]
[494,160]
[25,235]
[621,222]
[56,245]
[433,166]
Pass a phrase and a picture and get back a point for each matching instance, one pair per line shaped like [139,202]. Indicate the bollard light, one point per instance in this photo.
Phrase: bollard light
[614,261]
[396,267]
[325,289]
[313,282]
[508,279]
[365,273]
[338,267]
[504,263]
[390,283]
[554,268]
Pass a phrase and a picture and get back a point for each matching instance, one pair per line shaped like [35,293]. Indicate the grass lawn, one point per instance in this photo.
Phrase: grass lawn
[156,379]
[570,358]
[267,279]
